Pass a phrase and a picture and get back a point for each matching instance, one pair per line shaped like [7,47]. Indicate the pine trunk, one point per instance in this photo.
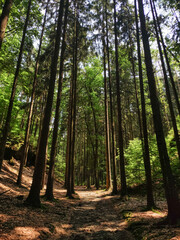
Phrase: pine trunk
[170,189]
[120,133]
[113,141]
[49,189]
[26,140]
[108,166]
[34,194]
[146,156]
[4,19]
[167,61]
[168,94]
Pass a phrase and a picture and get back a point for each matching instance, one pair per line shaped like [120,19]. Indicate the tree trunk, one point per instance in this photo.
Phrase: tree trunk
[114,190]
[170,189]
[8,117]
[120,133]
[68,149]
[49,189]
[26,140]
[34,194]
[168,94]
[70,182]
[146,156]
[4,19]
[75,60]
[108,157]
[167,60]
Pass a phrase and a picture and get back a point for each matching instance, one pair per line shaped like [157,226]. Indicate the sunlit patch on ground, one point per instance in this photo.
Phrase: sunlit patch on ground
[26,233]
[149,215]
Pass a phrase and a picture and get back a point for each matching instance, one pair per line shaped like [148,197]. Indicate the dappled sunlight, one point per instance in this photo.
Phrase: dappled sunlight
[105,226]
[87,207]
[149,215]
[4,188]
[93,214]
[4,218]
[10,173]
[23,233]
[60,190]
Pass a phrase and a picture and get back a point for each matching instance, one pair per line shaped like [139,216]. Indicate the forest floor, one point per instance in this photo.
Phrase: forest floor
[93,214]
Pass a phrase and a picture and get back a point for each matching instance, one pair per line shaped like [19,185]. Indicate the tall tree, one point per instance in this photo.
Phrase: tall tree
[113,142]
[49,189]
[168,94]
[72,112]
[167,59]
[8,117]
[34,194]
[120,133]
[108,165]
[26,140]
[146,155]
[4,19]
[170,189]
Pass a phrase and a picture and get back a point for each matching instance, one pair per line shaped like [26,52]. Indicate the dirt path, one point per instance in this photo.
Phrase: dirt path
[94,217]
[91,215]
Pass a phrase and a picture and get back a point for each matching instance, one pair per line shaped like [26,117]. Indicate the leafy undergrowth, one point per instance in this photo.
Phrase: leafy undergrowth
[93,214]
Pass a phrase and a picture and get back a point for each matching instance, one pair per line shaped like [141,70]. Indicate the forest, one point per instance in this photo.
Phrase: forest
[89,119]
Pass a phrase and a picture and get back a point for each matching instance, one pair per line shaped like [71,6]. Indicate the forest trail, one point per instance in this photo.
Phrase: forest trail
[91,215]
[96,217]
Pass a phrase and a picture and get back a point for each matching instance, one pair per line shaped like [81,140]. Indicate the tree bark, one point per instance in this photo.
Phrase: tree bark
[49,189]
[167,60]
[72,117]
[168,94]
[114,190]
[170,189]
[146,156]
[4,19]
[26,140]
[120,131]
[34,194]
[107,143]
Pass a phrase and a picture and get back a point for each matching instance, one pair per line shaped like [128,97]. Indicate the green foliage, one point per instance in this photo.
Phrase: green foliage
[60,167]
[135,163]
[172,150]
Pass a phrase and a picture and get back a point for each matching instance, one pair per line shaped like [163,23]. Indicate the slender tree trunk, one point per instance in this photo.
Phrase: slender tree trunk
[26,140]
[93,178]
[168,94]
[76,30]
[34,194]
[88,166]
[44,171]
[68,149]
[85,161]
[70,182]
[4,19]
[167,60]
[114,190]
[120,133]
[170,189]
[108,157]
[95,151]
[136,94]
[8,117]
[49,189]
[146,156]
